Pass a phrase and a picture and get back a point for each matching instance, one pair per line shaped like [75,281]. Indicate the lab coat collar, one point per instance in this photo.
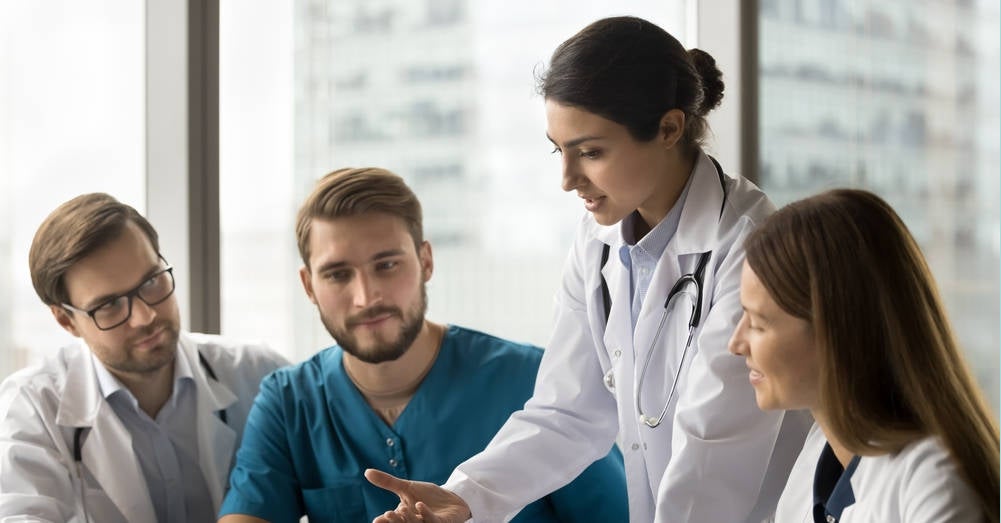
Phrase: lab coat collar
[81,397]
[82,405]
[216,440]
[697,229]
[216,396]
[699,225]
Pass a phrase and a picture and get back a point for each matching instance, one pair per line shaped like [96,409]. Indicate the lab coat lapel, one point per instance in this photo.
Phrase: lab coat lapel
[698,228]
[216,440]
[107,447]
[697,233]
[619,328]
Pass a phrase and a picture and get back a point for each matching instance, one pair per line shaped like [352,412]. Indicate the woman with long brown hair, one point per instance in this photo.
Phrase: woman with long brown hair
[842,317]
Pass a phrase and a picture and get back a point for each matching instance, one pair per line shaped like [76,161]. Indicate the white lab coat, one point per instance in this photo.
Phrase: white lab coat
[40,407]
[716,457]
[920,484]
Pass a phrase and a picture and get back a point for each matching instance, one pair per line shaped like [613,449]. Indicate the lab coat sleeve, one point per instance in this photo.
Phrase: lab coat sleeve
[598,494]
[722,442]
[36,476]
[569,422]
[263,482]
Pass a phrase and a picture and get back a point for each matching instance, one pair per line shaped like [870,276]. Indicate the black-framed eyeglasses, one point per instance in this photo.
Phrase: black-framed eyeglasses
[118,309]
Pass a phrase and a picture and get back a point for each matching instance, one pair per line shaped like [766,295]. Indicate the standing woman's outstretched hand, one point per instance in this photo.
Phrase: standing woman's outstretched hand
[420,501]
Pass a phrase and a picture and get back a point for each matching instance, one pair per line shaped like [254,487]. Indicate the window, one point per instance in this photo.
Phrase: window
[902,101]
[441,92]
[71,121]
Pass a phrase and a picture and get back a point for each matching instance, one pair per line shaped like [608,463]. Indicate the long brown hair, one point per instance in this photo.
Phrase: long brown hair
[891,370]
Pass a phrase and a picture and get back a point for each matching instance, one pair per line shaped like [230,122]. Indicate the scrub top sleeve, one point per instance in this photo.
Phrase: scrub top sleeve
[263,483]
[598,494]
[33,479]
[722,442]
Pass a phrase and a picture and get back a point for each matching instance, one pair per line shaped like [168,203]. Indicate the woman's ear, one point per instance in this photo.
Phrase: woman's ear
[672,127]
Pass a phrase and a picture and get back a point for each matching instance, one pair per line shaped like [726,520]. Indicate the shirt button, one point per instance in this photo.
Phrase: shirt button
[617,353]
[636,446]
[392,463]
[390,442]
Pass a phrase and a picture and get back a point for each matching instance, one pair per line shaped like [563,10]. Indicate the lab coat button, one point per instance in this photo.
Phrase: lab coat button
[390,442]
[617,353]
[831,519]
[636,446]
[610,380]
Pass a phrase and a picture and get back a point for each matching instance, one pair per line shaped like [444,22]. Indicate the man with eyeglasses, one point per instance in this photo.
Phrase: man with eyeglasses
[139,421]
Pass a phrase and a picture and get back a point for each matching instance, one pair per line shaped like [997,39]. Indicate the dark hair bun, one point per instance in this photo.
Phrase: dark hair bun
[711,77]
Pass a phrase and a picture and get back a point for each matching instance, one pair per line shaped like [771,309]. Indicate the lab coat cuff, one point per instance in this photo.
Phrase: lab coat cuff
[464,487]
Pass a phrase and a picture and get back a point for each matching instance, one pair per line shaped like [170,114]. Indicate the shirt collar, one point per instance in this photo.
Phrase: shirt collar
[832,489]
[697,228]
[655,241]
[110,385]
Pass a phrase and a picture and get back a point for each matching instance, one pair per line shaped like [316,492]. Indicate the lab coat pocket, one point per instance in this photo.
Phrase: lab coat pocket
[344,504]
[99,507]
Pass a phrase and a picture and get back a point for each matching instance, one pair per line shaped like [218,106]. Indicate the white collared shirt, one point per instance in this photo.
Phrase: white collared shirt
[641,257]
[166,447]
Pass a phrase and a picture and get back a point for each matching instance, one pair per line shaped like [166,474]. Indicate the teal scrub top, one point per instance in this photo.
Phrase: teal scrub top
[310,436]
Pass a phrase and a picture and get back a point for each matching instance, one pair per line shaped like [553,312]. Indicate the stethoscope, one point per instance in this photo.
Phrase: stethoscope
[78,440]
[695,278]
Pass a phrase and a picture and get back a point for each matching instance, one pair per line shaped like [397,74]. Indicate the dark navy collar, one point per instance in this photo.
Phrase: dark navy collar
[832,488]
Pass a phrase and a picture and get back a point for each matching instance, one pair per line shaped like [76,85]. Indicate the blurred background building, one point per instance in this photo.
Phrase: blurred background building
[899,97]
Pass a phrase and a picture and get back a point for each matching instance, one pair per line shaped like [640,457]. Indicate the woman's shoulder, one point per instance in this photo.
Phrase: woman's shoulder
[745,201]
[920,457]
[920,478]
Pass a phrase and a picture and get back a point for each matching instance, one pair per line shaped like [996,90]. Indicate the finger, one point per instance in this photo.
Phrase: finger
[386,517]
[406,514]
[426,514]
[387,482]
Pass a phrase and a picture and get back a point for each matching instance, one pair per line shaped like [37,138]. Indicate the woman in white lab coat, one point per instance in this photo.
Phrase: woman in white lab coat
[842,317]
[648,302]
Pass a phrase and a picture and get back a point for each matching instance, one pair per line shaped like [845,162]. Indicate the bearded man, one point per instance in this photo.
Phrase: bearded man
[397,393]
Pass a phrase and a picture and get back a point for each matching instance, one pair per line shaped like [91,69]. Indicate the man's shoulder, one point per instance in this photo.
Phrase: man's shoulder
[486,348]
[307,377]
[43,379]
[236,356]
